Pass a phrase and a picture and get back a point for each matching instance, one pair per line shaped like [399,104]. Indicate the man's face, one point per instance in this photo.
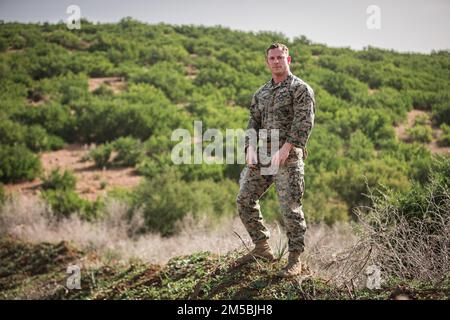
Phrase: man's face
[278,62]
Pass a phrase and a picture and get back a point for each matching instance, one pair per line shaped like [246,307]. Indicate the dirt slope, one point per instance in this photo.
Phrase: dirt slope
[39,271]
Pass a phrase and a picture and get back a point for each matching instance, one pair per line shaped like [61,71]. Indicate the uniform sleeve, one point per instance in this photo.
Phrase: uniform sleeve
[254,121]
[304,109]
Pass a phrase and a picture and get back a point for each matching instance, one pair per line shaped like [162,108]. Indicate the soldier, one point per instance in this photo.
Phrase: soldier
[285,103]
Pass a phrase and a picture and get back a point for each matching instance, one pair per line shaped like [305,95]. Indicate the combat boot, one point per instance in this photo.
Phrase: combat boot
[293,267]
[262,250]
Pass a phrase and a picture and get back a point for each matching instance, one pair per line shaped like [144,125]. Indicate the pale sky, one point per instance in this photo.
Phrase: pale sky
[405,25]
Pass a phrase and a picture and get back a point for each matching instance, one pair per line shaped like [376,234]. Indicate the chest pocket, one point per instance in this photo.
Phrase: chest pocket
[283,106]
[283,98]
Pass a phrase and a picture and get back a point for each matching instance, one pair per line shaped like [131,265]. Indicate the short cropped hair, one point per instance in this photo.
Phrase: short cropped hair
[277,45]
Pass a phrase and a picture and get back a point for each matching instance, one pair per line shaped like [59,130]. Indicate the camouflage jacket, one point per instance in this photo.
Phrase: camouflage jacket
[288,106]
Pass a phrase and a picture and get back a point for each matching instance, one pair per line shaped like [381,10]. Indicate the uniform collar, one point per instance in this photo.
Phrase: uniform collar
[282,83]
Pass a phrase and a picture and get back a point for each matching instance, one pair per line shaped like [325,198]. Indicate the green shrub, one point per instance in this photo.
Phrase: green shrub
[441,112]
[153,166]
[157,145]
[420,133]
[423,100]
[412,223]
[11,132]
[103,90]
[359,147]
[37,139]
[422,120]
[122,194]
[343,86]
[55,142]
[58,181]
[63,203]
[423,201]
[101,155]
[167,76]
[18,42]
[66,39]
[166,200]
[129,151]
[353,181]
[66,202]
[444,139]
[18,163]
[3,45]
[321,207]
[203,171]
[55,118]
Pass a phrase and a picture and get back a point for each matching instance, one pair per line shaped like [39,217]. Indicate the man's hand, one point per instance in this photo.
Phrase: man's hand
[281,155]
[251,157]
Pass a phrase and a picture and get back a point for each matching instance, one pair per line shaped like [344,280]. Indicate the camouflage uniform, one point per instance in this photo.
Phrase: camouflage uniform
[288,106]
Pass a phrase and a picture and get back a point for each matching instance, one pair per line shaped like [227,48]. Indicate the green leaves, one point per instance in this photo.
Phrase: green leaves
[173,75]
[18,163]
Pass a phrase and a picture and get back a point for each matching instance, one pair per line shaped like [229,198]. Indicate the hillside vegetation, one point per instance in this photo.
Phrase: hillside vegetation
[108,96]
[168,76]
[43,275]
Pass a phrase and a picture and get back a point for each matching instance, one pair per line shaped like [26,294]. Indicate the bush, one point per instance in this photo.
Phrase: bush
[169,77]
[321,207]
[55,118]
[140,112]
[18,42]
[48,60]
[58,181]
[11,132]
[343,86]
[66,202]
[408,232]
[151,167]
[422,120]
[101,155]
[66,39]
[3,45]
[360,147]
[129,151]
[441,113]
[353,181]
[157,145]
[55,142]
[37,139]
[18,163]
[166,200]
[420,133]
[444,139]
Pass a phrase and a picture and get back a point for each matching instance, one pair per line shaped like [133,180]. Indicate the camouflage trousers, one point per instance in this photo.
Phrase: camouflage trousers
[290,185]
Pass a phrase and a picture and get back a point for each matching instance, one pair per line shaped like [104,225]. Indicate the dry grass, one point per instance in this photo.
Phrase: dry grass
[411,248]
[400,247]
[113,237]
[337,254]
